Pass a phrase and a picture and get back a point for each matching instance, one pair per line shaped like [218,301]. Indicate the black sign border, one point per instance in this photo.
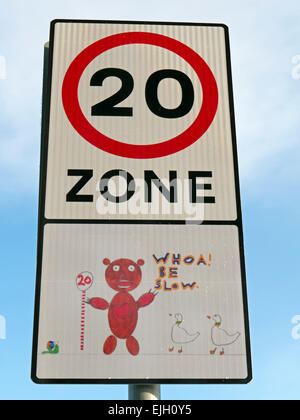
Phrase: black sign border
[42,221]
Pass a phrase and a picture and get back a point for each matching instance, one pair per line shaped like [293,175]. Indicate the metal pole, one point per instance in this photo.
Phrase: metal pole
[45,80]
[144,392]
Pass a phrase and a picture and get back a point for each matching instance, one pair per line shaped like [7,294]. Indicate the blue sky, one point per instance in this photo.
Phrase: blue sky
[264,40]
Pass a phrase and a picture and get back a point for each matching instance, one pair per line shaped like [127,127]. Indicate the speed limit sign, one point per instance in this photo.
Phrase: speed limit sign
[139,193]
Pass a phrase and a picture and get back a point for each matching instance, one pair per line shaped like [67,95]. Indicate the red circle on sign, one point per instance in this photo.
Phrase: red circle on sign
[96,138]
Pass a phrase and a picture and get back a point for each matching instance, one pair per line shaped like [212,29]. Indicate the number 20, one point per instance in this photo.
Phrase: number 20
[84,281]
[108,106]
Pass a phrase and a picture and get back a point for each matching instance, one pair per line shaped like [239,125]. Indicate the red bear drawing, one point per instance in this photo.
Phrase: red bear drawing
[122,275]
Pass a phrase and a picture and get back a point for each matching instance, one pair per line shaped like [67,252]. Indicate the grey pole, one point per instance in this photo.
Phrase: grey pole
[45,80]
[144,392]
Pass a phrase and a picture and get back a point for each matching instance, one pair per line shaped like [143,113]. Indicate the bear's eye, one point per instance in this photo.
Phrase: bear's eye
[116,267]
[131,267]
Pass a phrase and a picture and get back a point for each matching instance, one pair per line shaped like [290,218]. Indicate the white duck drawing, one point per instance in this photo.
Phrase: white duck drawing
[180,335]
[219,337]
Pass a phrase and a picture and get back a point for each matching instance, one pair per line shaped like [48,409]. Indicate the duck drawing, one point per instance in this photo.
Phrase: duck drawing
[179,335]
[220,337]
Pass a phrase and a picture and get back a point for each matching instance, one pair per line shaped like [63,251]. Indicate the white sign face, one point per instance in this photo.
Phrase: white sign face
[196,276]
[151,101]
[140,142]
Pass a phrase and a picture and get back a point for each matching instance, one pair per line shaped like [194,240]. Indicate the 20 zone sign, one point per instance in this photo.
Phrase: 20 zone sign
[140,268]
[108,107]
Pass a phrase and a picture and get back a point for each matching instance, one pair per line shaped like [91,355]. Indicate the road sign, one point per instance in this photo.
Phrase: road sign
[140,204]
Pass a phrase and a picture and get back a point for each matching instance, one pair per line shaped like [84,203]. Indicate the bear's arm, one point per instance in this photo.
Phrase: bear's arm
[145,300]
[98,303]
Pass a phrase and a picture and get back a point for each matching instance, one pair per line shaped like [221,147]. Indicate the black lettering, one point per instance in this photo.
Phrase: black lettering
[171,195]
[130,186]
[194,187]
[86,175]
